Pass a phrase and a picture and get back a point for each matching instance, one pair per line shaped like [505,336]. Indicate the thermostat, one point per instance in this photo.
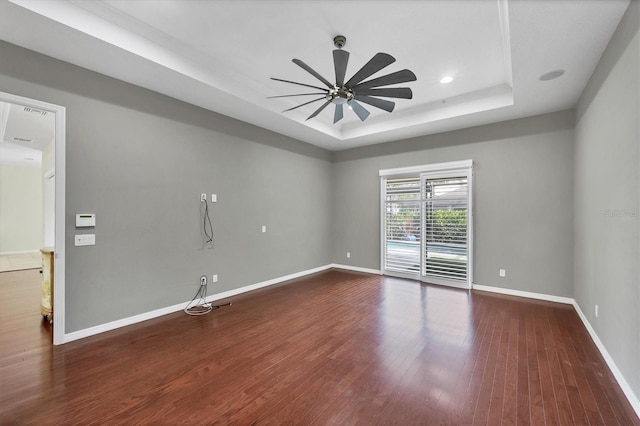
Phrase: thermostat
[85,220]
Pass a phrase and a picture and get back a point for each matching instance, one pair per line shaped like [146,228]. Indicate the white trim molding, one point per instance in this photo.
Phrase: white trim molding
[438,167]
[267,283]
[356,269]
[526,294]
[102,328]
[626,389]
[628,392]
[633,399]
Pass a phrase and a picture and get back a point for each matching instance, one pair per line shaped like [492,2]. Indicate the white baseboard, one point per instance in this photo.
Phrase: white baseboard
[633,399]
[102,328]
[527,294]
[91,331]
[628,392]
[19,252]
[262,284]
[356,269]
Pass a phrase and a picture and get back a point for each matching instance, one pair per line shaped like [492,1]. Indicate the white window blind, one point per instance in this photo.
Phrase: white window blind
[445,228]
[402,225]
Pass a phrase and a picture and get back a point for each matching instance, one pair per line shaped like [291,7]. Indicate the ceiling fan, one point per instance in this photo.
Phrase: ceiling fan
[355,90]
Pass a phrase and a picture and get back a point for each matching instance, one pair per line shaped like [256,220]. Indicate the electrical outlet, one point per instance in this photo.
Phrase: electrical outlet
[503,273]
[596,311]
[264,228]
[214,198]
[203,280]
[348,254]
[203,197]
[214,278]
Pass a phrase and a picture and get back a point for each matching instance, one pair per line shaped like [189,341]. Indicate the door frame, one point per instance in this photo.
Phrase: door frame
[60,207]
[465,167]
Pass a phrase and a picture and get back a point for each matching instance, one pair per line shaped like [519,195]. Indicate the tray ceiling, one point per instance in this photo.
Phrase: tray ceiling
[220,55]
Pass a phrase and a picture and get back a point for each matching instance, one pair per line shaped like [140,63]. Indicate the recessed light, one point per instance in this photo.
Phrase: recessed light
[551,75]
[446,79]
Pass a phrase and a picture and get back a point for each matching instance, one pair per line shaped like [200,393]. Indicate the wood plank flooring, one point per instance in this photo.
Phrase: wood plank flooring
[337,348]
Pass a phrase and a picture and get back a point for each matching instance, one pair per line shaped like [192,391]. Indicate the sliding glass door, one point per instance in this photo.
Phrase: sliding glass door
[446,249]
[426,223]
[403,229]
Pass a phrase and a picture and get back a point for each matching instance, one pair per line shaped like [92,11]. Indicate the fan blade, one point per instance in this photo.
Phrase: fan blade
[306,103]
[313,72]
[299,84]
[297,94]
[316,112]
[340,61]
[393,78]
[338,114]
[375,64]
[378,103]
[360,111]
[390,92]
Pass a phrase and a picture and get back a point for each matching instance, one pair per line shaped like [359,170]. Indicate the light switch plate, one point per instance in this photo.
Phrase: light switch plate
[85,240]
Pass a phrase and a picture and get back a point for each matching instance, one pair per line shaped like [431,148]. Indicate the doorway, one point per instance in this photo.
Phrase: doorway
[55,226]
[427,223]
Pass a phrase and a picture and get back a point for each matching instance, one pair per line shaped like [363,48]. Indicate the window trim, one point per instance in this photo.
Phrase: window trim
[437,167]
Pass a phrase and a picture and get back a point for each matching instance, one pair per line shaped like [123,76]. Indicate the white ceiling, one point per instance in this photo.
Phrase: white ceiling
[24,134]
[220,55]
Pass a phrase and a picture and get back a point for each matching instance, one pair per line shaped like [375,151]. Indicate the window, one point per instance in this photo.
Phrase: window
[427,223]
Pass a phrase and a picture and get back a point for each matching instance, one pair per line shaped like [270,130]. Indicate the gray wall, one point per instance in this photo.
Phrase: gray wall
[607,199]
[140,160]
[523,172]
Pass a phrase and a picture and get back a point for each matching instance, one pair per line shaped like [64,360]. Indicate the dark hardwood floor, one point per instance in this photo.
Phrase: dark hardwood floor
[333,348]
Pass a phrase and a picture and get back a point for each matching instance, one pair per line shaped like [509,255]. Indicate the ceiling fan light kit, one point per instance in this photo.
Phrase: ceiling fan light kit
[356,89]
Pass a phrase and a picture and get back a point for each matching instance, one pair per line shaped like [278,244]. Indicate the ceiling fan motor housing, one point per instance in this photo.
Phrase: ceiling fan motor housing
[340,95]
